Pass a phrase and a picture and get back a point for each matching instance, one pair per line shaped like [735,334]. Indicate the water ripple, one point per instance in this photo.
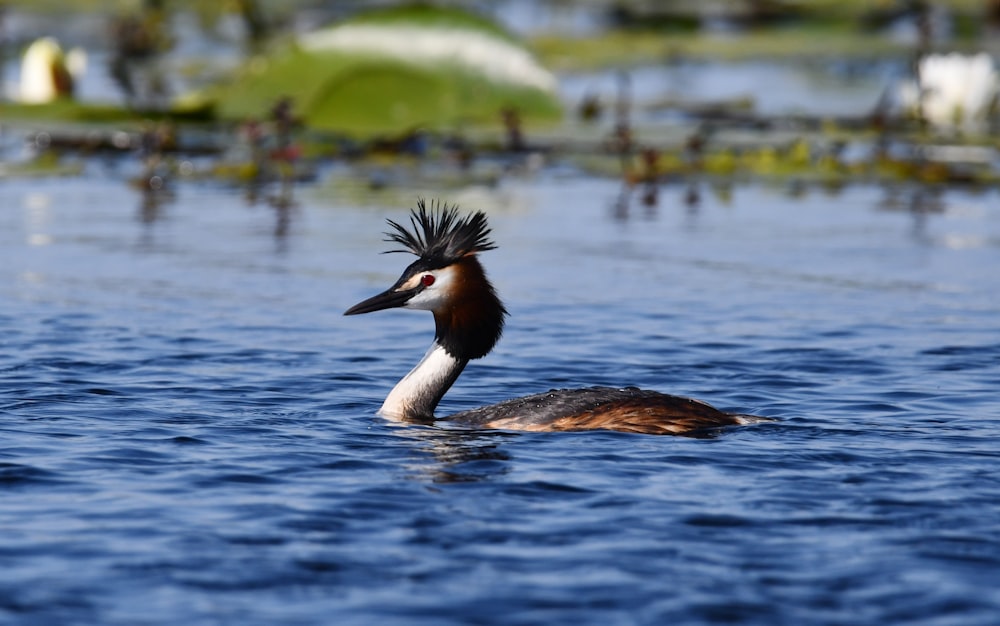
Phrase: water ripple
[194,439]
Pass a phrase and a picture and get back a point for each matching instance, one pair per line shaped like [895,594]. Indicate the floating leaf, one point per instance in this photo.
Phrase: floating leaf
[396,69]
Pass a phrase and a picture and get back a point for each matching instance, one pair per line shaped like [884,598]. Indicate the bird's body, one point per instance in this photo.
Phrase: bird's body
[448,280]
[627,409]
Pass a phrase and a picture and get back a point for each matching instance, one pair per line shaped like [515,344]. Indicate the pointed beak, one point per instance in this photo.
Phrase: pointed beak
[388,299]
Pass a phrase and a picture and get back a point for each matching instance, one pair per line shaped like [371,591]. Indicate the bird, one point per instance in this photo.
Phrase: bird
[448,280]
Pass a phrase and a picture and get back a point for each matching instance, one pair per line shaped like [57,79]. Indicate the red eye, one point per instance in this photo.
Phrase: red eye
[427,280]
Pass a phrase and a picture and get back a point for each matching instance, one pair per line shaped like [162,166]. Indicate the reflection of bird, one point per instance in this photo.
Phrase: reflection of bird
[448,280]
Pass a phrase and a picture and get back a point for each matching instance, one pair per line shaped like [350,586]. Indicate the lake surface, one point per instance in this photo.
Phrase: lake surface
[189,430]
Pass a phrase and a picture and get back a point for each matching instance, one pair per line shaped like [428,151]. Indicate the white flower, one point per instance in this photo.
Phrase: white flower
[953,89]
[47,73]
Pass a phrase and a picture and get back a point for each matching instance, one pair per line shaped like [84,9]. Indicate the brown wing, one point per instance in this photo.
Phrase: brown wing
[628,410]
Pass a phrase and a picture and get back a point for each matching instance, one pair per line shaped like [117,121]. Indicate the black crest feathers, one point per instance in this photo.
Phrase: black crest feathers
[439,235]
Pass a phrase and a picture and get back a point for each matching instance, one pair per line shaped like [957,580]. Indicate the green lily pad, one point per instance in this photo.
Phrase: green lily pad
[393,70]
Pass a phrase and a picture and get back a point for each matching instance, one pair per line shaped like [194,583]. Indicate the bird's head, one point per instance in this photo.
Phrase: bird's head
[446,279]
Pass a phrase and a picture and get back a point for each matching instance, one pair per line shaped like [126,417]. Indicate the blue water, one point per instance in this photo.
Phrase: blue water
[188,428]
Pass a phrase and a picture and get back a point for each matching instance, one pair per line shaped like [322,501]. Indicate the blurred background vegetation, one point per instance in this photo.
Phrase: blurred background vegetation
[310,79]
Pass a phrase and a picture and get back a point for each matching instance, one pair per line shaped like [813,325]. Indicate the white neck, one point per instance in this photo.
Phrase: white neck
[418,393]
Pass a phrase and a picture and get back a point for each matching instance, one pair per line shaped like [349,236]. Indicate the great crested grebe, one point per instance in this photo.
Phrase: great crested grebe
[447,280]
